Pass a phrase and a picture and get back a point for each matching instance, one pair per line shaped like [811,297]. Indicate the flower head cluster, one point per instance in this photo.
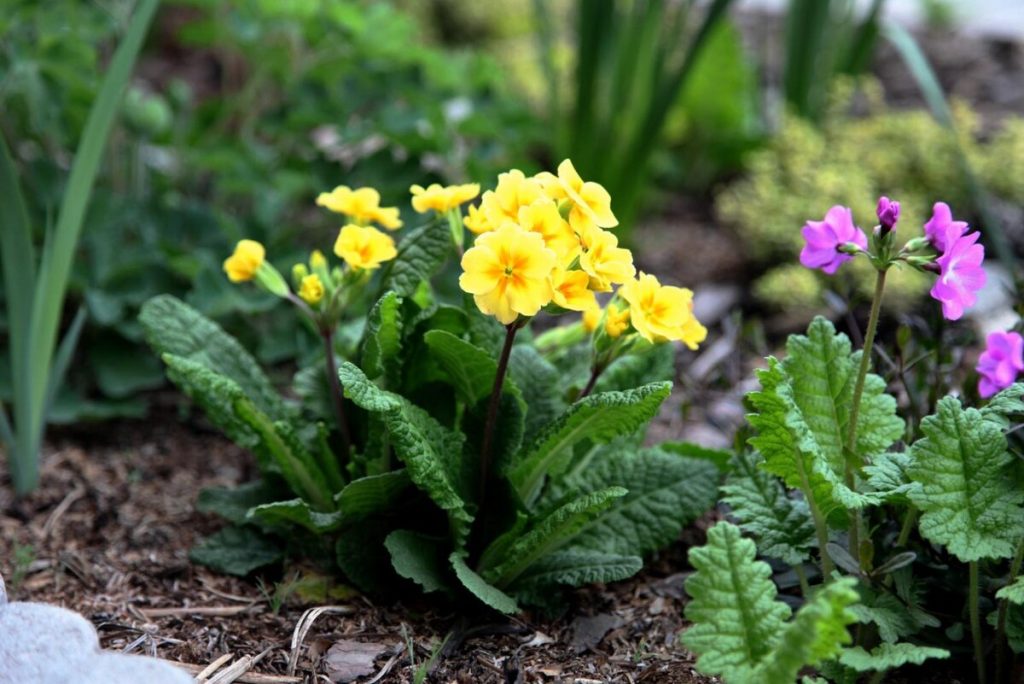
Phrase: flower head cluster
[361,205]
[1000,363]
[957,259]
[542,242]
[442,199]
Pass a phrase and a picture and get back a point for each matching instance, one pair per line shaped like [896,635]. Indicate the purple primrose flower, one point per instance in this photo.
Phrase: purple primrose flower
[960,271]
[824,238]
[938,227]
[1000,363]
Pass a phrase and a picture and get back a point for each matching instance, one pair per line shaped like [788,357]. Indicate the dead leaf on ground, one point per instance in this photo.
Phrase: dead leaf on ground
[348,659]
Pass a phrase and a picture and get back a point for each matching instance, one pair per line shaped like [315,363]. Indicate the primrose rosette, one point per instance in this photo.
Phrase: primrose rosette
[430,441]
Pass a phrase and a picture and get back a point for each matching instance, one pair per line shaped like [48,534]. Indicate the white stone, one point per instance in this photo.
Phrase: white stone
[50,645]
[3,592]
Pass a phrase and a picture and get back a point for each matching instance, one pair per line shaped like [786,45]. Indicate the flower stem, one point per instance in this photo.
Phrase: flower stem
[1001,616]
[975,615]
[858,392]
[594,375]
[492,409]
[337,397]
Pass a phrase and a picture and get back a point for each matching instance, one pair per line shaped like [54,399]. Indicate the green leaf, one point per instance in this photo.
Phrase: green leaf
[538,382]
[816,634]
[233,503]
[736,618]
[488,593]
[382,341]
[236,551]
[296,512]
[421,251]
[599,418]
[173,327]
[655,364]
[720,457]
[470,369]
[968,501]
[430,451]
[892,618]
[782,525]
[419,558]
[1007,403]
[575,569]
[364,559]
[666,493]
[889,656]
[549,534]
[887,476]
[1014,593]
[371,495]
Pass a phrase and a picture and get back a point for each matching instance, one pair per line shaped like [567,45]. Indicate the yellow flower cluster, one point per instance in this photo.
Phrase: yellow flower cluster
[542,240]
[362,205]
[442,199]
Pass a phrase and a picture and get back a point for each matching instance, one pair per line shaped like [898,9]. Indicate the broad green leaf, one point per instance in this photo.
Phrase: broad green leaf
[539,383]
[666,493]
[655,364]
[720,457]
[1014,593]
[364,559]
[296,512]
[488,593]
[419,558]
[431,452]
[816,634]
[421,251]
[233,503]
[236,551]
[549,534]
[887,476]
[1005,404]
[889,656]
[470,369]
[782,525]
[736,617]
[968,501]
[173,327]
[371,495]
[382,341]
[892,618]
[599,418]
[575,569]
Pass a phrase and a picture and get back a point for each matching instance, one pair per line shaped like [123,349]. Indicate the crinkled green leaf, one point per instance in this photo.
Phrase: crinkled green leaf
[887,476]
[236,551]
[1003,405]
[549,534]
[654,364]
[382,341]
[470,369]
[1014,593]
[539,383]
[889,656]
[720,457]
[598,418]
[666,493]
[419,558]
[892,618]
[431,452]
[364,559]
[233,503]
[479,587]
[371,495]
[816,634]
[736,618]
[420,252]
[577,568]
[781,524]
[295,511]
[174,327]
[968,502]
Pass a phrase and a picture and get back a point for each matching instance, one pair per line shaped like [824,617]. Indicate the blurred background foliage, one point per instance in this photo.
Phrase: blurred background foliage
[240,112]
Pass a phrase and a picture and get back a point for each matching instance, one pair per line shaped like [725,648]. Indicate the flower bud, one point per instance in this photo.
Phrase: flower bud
[888,214]
[924,264]
[850,248]
[299,271]
[916,244]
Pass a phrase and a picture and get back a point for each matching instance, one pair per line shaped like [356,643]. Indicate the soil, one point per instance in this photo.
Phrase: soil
[108,532]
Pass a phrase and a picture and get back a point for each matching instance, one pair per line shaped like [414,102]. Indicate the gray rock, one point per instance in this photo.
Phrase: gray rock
[46,644]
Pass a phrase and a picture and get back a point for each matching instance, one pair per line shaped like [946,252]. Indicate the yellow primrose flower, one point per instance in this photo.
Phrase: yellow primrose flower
[362,205]
[616,322]
[662,312]
[514,190]
[551,186]
[592,318]
[245,261]
[604,260]
[442,199]
[476,221]
[311,290]
[508,272]
[589,198]
[542,217]
[570,290]
[364,247]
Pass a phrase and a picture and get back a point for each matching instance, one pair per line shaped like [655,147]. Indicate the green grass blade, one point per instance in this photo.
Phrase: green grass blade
[807,24]
[862,44]
[62,359]
[594,27]
[6,432]
[935,97]
[546,43]
[49,291]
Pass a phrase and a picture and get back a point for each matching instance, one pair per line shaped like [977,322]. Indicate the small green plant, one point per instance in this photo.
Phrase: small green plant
[35,290]
[451,448]
[24,554]
[915,525]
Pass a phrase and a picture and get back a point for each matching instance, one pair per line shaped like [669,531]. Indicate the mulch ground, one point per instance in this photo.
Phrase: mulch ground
[108,532]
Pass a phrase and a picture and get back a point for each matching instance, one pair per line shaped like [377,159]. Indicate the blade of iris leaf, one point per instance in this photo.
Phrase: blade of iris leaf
[48,296]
